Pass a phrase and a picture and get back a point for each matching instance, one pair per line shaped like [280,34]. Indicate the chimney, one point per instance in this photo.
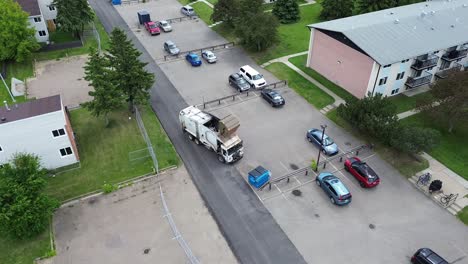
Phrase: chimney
[6,105]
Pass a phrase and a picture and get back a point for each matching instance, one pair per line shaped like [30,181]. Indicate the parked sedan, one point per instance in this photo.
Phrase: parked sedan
[427,256]
[328,147]
[238,82]
[152,28]
[362,172]
[193,59]
[165,26]
[209,56]
[334,188]
[273,97]
[171,48]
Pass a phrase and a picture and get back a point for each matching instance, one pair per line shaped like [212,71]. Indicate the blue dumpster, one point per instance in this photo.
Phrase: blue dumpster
[259,176]
[116,2]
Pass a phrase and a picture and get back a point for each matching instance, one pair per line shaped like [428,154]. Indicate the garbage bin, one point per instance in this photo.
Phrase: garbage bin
[143,16]
[435,186]
[259,176]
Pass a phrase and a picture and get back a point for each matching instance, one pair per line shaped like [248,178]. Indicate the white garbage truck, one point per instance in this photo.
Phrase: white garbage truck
[214,133]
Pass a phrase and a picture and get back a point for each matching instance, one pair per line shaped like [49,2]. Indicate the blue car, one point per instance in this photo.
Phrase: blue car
[328,147]
[334,188]
[193,59]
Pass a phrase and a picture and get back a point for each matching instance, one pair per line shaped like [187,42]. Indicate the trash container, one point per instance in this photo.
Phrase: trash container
[435,186]
[259,176]
[143,16]
[116,2]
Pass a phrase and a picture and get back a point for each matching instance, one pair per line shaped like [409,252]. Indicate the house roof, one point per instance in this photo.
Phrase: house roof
[30,109]
[30,6]
[399,33]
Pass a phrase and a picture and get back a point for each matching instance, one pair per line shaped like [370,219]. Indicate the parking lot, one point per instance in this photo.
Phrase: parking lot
[381,225]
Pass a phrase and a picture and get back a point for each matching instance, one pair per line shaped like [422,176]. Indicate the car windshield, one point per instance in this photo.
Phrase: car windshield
[210,55]
[327,141]
[241,81]
[152,26]
[276,96]
[172,46]
[234,149]
[368,172]
[257,77]
[190,10]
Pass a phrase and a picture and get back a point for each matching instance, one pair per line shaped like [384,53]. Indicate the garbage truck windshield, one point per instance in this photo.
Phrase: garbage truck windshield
[235,148]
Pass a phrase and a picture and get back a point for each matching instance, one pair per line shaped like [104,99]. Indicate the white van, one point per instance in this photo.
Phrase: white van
[252,76]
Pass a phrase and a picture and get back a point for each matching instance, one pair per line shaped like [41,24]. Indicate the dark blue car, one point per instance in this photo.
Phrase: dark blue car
[193,59]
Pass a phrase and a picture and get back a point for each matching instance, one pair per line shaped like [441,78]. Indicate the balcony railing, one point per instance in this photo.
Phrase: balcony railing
[425,62]
[413,82]
[442,74]
[455,54]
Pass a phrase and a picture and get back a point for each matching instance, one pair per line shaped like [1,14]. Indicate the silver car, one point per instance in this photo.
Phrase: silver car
[187,10]
[165,26]
[171,48]
[209,56]
[328,147]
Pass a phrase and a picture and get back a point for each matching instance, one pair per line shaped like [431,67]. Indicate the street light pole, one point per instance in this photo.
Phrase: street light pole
[321,146]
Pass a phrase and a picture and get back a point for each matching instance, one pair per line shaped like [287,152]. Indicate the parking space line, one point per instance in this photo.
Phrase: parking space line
[280,191]
[298,181]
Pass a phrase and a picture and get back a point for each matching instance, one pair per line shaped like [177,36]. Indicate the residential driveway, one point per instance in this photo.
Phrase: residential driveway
[382,225]
[64,77]
[120,226]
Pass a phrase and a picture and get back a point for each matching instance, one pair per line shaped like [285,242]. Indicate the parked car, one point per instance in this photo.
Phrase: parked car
[171,48]
[427,256]
[193,59]
[187,10]
[152,28]
[362,172]
[165,26]
[238,82]
[328,147]
[253,77]
[273,97]
[334,188]
[209,56]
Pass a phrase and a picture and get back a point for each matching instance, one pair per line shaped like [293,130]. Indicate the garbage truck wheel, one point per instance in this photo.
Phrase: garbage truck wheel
[221,158]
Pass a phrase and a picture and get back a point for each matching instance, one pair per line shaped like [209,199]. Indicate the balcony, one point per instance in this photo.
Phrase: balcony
[424,62]
[413,82]
[442,74]
[455,54]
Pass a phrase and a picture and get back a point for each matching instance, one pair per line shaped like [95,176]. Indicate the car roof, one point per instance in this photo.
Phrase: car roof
[150,22]
[236,75]
[338,186]
[193,55]
[433,257]
[163,21]
[208,52]
[169,42]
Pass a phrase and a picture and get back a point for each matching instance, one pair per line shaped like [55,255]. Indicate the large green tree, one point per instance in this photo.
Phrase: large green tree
[106,96]
[414,140]
[407,2]
[24,208]
[128,72]
[366,6]
[287,11]
[333,9]
[73,15]
[258,32]
[17,40]
[448,102]
[226,11]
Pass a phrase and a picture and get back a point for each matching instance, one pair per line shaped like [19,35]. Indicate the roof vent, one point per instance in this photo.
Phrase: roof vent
[452,26]
[396,21]
[432,28]
[6,105]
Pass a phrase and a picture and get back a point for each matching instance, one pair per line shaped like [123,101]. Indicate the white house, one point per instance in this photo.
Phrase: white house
[39,127]
[42,16]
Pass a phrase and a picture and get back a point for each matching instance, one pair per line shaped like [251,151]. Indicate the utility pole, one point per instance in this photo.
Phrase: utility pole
[321,146]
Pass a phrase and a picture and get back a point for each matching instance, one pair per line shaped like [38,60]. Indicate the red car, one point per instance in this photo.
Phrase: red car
[362,172]
[152,28]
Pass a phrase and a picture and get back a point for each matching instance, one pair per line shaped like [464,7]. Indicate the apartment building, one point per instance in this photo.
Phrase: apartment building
[393,50]
[42,16]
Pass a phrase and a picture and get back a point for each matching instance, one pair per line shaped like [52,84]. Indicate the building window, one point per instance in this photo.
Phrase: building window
[58,132]
[37,19]
[383,81]
[403,61]
[1,149]
[66,151]
[386,66]
[42,33]
[435,52]
[400,75]
[51,8]
[395,91]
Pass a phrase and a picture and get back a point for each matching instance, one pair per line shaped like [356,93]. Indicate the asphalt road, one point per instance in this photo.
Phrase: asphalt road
[249,228]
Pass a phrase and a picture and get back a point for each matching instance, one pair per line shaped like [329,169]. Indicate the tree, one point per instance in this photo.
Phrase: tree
[448,102]
[366,6]
[407,2]
[258,32]
[287,11]
[128,74]
[24,209]
[372,115]
[226,11]
[106,96]
[333,9]
[17,39]
[73,15]
[414,140]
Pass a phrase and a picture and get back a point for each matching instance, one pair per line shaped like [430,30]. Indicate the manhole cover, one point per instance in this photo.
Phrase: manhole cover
[347,143]
[92,200]
[146,251]
[371,226]
[293,166]
[296,192]
[317,215]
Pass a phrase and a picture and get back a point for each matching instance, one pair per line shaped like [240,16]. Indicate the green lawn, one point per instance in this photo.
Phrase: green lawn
[463,215]
[203,11]
[300,62]
[314,95]
[106,153]
[453,148]
[405,164]
[14,251]
[21,71]
[213,2]
[62,37]
[294,38]
[404,103]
